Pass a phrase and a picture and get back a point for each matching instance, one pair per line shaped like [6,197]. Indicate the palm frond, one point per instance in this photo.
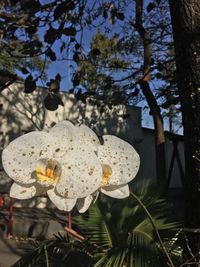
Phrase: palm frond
[59,251]
[96,223]
[125,232]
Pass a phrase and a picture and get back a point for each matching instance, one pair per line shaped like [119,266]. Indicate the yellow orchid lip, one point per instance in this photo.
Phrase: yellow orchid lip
[107,172]
[47,171]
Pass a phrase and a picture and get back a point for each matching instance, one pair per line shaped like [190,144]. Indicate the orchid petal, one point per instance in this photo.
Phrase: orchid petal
[63,134]
[20,156]
[83,204]
[121,157]
[81,173]
[88,137]
[22,192]
[119,192]
[61,203]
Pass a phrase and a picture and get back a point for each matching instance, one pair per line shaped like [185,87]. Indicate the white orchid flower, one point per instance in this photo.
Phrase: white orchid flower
[120,164]
[55,162]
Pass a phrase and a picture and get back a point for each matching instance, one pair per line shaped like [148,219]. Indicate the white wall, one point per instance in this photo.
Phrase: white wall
[25,112]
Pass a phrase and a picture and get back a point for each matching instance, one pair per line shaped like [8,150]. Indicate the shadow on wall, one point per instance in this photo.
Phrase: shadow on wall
[22,113]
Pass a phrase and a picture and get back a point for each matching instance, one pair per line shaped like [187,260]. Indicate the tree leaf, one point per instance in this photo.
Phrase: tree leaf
[62,8]
[76,57]
[59,100]
[24,71]
[58,77]
[159,75]
[105,14]
[95,52]
[32,29]
[120,15]
[59,10]
[70,5]
[171,101]
[51,54]
[70,31]
[29,84]
[150,6]
[33,6]
[52,101]
[72,40]
[50,35]
[76,79]
[77,46]
[54,85]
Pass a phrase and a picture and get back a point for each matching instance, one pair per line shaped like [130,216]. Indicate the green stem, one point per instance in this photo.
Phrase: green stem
[155,229]
[46,256]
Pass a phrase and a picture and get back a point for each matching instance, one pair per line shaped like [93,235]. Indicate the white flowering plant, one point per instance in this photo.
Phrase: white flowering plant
[70,164]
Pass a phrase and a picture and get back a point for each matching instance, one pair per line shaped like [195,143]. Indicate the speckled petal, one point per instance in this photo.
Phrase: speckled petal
[22,192]
[83,204]
[116,191]
[20,156]
[61,203]
[88,137]
[81,173]
[121,157]
[63,133]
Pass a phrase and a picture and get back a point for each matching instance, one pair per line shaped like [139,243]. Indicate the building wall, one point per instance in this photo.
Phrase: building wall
[25,112]
[146,148]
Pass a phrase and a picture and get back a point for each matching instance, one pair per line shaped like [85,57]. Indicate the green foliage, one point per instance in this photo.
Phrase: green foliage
[118,233]
[103,63]
[125,234]
[59,251]
[32,65]
[109,53]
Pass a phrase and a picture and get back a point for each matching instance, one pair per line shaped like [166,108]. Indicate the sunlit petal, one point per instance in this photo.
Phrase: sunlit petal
[116,191]
[63,134]
[83,204]
[81,173]
[22,192]
[88,137]
[121,157]
[61,203]
[20,156]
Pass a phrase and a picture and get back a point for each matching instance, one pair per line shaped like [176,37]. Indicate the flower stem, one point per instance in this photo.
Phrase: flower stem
[69,220]
[70,230]
[155,229]
[10,218]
